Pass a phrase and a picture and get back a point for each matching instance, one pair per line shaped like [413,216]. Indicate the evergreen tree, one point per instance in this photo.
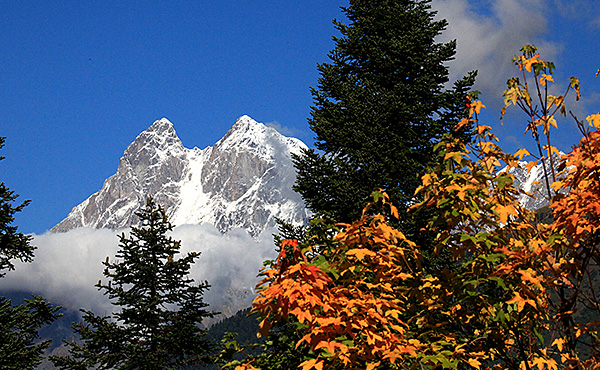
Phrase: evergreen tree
[20,348]
[157,325]
[380,106]
[13,245]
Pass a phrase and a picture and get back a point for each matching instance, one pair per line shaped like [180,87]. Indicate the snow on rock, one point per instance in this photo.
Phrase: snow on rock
[243,181]
[534,183]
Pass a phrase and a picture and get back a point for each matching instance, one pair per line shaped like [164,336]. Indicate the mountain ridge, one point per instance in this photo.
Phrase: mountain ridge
[244,180]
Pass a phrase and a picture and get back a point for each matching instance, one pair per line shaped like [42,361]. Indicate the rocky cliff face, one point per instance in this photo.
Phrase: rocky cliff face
[534,183]
[243,181]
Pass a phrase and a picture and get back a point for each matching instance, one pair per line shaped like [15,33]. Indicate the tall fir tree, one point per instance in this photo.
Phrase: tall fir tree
[20,345]
[380,106]
[161,308]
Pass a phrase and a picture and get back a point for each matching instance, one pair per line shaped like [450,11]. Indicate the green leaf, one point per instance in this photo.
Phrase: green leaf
[499,281]
[504,180]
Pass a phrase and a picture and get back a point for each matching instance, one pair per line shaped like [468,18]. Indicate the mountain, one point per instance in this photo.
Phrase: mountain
[533,182]
[243,181]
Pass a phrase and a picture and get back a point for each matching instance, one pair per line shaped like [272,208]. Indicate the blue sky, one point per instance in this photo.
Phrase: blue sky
[80,80]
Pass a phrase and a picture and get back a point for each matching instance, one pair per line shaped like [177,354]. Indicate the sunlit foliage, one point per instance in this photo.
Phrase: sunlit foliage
[520,295]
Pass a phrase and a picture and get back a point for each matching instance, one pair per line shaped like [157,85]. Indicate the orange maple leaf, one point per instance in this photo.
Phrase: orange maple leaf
[505,211]
[315,363]
[302,314]
[360,253]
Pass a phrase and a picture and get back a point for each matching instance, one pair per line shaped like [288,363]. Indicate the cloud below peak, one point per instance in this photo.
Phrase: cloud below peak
[68,265]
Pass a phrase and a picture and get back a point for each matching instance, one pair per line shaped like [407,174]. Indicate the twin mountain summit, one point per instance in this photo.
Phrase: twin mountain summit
[243,181]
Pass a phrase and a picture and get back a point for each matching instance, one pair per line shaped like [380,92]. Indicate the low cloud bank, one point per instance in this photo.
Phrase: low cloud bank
[68,265]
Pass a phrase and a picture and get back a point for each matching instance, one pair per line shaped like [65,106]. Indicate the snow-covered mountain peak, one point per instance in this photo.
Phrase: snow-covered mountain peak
[248,135]
[244,127]
[245,132]
[159,131]
[245,122]
[243,181]
[160,134]
[161,125]
[155,144]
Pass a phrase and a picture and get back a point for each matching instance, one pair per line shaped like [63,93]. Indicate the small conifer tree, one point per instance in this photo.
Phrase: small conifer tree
[160,311]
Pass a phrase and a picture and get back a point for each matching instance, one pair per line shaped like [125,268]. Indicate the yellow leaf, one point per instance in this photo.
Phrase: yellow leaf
[516,299]
[530,165]
[456,156]
[546,122]
[462,123]
[246,367]
[426,179]
[521,153]
[541,363]
[360,253]
[555,100]
[505,211]
[265,326]
[461,190]
[556,185]
[529,62]
[510,96]
[594,120]
[373,365]
[301,314]
[521,302]
[527,276]
[545,78]
[474,362]
[475,107]
[312,364]
[551,150]
[394,212]
[329,346]
[559,343]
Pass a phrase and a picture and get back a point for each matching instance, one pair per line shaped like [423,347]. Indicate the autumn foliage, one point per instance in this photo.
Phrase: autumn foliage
[518,294]
[348,317]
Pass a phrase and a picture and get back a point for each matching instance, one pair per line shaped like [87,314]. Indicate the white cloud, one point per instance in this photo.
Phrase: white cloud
[488,36]
[230,262]
[284,130]
[68,265]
